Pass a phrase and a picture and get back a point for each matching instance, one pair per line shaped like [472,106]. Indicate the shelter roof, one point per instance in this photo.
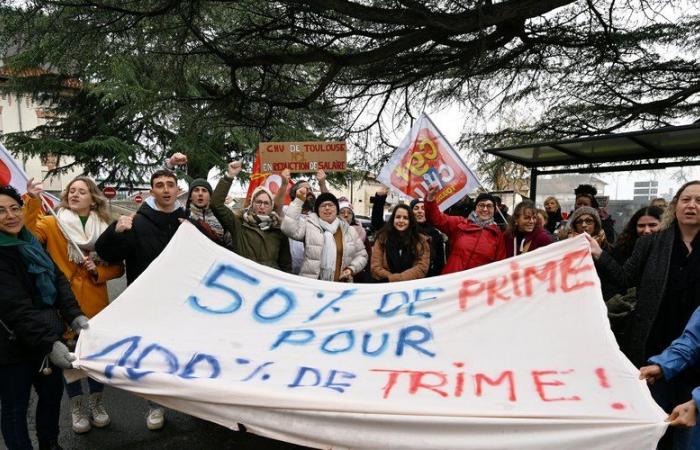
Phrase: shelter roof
[653,145]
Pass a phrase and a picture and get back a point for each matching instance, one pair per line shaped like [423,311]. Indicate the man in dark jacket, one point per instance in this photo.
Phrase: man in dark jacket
[140,238]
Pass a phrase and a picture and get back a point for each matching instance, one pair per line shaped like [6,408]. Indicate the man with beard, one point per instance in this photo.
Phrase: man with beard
[437,241]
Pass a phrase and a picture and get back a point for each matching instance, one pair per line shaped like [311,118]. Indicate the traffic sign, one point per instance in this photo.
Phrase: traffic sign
[138,199]
[109,192]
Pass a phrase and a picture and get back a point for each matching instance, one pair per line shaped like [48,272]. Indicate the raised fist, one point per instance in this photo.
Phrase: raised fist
[302,192]
[286,175]
[321,175]
[383,191]
[233,169]
[178,159]
[432,192]
[124,223]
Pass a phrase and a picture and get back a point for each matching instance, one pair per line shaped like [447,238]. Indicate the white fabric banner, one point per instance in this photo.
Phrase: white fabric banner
[516,354]
[424,158]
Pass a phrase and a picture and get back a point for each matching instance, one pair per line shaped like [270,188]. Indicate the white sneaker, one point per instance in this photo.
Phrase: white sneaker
[98,415]
[79,417]
[155,419]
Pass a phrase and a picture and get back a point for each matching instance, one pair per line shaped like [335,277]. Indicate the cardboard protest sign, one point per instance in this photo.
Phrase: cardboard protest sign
[303,156]
[425,158]
[518,353]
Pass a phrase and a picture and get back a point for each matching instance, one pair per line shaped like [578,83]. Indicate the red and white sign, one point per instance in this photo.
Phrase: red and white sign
[109,192]
[425,158]
[138,199]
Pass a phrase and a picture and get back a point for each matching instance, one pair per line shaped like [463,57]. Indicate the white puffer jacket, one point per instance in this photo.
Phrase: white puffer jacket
[308,230]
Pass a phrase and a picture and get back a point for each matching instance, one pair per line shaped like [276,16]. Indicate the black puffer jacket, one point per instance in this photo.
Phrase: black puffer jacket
[34,329]
[149,235]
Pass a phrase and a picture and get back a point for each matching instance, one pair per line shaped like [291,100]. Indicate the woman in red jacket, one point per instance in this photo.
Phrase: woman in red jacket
[474,241]
[524,233]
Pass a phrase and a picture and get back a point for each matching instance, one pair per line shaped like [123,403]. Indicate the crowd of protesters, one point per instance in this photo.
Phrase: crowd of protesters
[54,268]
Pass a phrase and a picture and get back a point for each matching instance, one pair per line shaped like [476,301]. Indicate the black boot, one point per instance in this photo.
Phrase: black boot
[49,445]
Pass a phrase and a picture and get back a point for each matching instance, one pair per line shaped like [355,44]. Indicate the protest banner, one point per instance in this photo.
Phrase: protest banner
[425,158]
[303,156]
[515,354]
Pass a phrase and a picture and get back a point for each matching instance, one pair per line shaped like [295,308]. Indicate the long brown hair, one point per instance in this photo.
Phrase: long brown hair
[669,217]
[520,209]
[101,206]
[412,235]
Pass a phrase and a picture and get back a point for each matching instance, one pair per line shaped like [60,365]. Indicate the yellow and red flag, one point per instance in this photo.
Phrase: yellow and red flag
[425,158]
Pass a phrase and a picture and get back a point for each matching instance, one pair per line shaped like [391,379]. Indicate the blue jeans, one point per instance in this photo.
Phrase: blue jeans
[16,381]
[75,388]
[668,395]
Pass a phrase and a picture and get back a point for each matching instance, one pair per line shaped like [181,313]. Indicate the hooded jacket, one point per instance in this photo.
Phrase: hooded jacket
[308,230]
[138,247]
[470,245]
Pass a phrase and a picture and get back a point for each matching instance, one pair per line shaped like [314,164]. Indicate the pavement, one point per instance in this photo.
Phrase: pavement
[128,428]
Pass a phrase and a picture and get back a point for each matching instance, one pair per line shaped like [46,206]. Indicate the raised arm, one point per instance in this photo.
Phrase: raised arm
[322,184]
[378,208]
[32,210]
[281,193]
[293,224]
[218,199]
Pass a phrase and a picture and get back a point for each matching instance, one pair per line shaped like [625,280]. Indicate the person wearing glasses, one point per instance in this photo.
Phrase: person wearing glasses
[585,219]
[36,302]
[475,240]
[333,250]
[524,232]
[255,232]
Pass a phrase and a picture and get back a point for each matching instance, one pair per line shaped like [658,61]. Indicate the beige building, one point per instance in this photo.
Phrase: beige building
[22,114]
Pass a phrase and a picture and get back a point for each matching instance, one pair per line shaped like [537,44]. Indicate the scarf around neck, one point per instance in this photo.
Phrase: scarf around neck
[263,222]
[73,230]
[37,261]
[329,250]
[399,253]
[482,223]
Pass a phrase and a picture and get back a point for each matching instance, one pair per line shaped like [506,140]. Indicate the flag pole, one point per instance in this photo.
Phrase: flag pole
[60,225]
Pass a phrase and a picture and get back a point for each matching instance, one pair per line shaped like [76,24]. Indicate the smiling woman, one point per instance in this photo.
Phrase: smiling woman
[35,301]
[69,238]
[400,251]
[524,232]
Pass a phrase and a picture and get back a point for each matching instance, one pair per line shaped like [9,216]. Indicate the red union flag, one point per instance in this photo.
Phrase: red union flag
[425,158]
[269,180]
